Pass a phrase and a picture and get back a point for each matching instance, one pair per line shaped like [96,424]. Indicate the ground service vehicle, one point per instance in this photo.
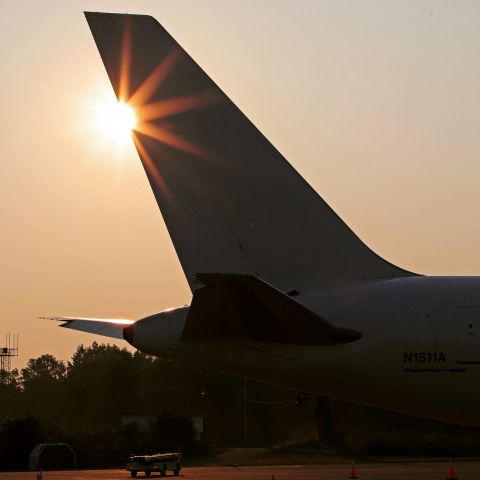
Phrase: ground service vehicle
[158,462]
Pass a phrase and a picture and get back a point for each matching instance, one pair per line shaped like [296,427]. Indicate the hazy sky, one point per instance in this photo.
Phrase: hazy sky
[376,103]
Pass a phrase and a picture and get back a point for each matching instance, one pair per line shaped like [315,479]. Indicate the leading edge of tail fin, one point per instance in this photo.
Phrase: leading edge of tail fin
[230,200]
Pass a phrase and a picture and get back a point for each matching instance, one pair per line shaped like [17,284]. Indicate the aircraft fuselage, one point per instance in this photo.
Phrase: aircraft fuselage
[419,350]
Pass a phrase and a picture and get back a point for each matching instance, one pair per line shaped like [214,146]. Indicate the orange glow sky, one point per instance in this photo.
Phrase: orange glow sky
[376,103]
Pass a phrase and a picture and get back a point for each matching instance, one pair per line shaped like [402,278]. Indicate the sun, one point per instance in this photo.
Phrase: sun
[116,120]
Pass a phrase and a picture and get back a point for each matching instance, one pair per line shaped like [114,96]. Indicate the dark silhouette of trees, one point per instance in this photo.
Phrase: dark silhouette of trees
[43,381]
[10,394]
[173,431]
[17,439]
[85,402]
[102,384]
[88,400]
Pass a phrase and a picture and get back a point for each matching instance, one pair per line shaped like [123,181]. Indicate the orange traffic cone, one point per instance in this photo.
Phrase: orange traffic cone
[353,471]
[451,471]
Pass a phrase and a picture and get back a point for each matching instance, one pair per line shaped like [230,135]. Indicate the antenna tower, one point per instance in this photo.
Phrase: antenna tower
[9,351]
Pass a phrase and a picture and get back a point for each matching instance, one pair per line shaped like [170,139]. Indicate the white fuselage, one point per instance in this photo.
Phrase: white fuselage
[419,352]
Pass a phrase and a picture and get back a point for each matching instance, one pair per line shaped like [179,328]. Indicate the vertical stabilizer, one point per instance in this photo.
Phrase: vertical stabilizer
[231,202]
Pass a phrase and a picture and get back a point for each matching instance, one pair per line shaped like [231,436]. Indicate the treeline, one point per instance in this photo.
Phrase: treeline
[97,387]
[94,400]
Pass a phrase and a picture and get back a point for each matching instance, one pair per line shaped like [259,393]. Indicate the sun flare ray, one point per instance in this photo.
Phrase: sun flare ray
[125,63]
[149,165]
[153,82]
[171,139]
[173,106]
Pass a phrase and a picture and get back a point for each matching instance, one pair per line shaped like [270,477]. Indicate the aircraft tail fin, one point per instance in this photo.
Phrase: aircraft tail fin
[230,200]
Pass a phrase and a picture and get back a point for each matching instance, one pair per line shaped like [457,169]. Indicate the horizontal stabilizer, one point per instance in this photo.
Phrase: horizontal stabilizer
[112,328]
[243,306]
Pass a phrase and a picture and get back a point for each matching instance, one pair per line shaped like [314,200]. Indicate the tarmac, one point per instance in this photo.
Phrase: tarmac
[433,470]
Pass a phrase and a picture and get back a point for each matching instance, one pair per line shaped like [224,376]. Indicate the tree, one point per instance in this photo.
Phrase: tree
[10,394]
[103,383]
[17,439]
[45,368]
[171,432]
[42,382]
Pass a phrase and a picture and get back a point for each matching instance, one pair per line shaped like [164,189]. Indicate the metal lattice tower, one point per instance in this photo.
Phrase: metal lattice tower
[8,351]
